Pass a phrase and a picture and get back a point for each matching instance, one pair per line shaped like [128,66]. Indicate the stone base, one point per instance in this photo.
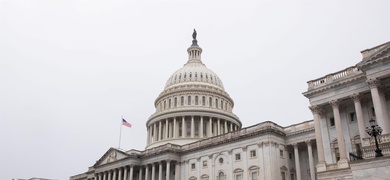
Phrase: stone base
[343,163]
[321,167]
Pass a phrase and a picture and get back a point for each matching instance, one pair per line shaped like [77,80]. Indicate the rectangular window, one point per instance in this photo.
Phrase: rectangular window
[337,154]
[352,117]
[189,100]
[253,153]
[193,166]
[216,103]
[196,100]
[331,122]
[292,176]
[204,163]
[289,155]
[238,156]
[254,175]
[238,176]
[283,175]
[281,153]
[203,100]
[175,101]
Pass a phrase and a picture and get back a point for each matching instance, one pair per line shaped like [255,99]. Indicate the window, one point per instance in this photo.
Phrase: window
[221,176]
[283,175]
[203,100]
[210,102]
[253,153]
[204,163]
[193,166]
[169,103]
[254,175]
[238,176]
[292,176]
[196,100]
[182,100]
[337,154]
[352,117]
[238,156]
[165,104]
[281,153]
[189,100]
[175,103]
[290,156]
[221,104]
[220,160]
[373,111]
[331,122]
[216,103]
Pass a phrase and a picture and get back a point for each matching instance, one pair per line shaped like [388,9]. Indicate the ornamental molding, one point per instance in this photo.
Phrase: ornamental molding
[373,83]
[356,97]
[335,103]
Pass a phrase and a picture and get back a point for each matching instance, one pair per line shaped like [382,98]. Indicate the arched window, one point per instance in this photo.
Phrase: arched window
[216,103]
[203,100]
[175,103]
[221,104]
[196,100]
[210,102]
[182,100]
[169,103]
[165,104]
[221,176]
[189,100]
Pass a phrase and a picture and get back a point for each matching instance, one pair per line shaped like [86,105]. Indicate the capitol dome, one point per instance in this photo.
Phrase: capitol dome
[193,105]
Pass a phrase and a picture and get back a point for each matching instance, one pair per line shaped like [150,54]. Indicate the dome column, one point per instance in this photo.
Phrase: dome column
[219,126]
[183,127]
[154,132]
[192,127]
[201,127]
[210,127]
[159,130]
[166,129]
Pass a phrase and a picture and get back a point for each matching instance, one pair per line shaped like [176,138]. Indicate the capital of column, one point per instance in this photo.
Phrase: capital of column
[308,142]
[373,83]
[295,145]
[334,103]
[355,97]
[317,110]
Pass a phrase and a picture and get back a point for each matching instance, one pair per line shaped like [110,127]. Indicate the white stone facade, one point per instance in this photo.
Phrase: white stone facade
[194,134]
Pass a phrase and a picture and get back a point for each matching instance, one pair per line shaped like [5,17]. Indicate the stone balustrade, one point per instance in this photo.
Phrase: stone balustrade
[350,71]
[301,127]
[369,152]
[370,141]
[331,166]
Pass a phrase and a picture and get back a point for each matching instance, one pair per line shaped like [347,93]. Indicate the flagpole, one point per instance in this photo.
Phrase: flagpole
[120,133]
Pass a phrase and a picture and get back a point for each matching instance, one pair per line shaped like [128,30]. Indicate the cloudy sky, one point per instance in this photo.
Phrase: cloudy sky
[70,69]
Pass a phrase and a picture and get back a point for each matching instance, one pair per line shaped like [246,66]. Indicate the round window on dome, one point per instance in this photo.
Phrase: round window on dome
[220,160]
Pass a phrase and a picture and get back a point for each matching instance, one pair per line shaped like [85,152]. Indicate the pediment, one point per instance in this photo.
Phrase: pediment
[110,156]
[378,53]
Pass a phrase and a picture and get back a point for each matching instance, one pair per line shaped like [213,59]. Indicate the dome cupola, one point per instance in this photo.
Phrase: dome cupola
[192,106]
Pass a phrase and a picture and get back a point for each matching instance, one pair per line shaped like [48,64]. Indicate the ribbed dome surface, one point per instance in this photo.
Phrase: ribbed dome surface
[194,73]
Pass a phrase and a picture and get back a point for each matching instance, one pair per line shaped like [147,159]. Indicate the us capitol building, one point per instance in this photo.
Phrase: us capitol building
[194,134]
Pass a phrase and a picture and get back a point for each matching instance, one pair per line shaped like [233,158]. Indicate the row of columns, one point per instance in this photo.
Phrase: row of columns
[129,174]
[381,114]
[166,128]
[311,160]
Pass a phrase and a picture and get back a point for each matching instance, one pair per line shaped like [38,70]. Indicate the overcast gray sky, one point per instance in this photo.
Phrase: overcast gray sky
[70,69]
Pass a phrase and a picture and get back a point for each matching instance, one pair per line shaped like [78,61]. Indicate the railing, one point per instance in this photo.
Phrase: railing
[357,155]
[296,128]
[369,152]
[370,141]
[332,77]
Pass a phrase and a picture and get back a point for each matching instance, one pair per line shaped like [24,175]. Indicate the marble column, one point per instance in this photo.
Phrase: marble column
[140,173]
[166,128]
[153,171]
[226,128]
[359,115]
[147,172]
[201,127]
[131,173]
[125,173]
[160,171]
[109,175]
[99,176]
[297,165]
[168,169]
[183,127]
[177,170]
[114,174]
[154,132]
[380,109]
[231,127]
[159,130]
[104,176]
[321,166]
[119,174]
[192,127]
[343,162]
[311,161]
[174,128]
[210,127]
[219,126]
